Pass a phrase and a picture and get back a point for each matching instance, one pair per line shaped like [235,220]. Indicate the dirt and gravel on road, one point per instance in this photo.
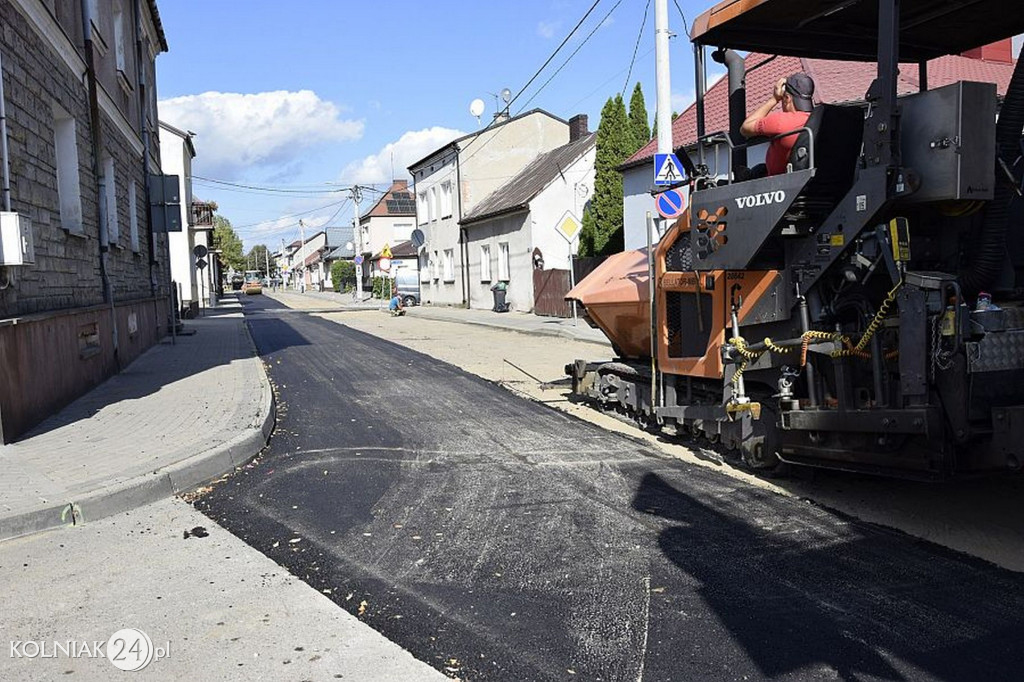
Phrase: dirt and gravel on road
[980,517]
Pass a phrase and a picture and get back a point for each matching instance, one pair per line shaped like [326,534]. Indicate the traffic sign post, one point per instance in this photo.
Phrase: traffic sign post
[670,203]
[666,169]
[569,227]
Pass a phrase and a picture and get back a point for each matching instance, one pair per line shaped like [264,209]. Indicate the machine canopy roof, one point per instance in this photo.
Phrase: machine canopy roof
[848,29]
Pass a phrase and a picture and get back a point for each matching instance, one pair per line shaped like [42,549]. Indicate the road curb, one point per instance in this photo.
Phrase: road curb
[162,483]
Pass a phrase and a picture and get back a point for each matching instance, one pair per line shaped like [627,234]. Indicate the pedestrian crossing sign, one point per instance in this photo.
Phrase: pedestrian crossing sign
[666,169]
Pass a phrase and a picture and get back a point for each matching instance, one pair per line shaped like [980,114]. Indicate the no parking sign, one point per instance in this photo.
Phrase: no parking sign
[671,203]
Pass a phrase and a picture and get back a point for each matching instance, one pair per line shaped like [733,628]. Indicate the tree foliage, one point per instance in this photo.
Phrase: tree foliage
[229,244]
[638,126]
[602,233]
[260,258]
[343,275]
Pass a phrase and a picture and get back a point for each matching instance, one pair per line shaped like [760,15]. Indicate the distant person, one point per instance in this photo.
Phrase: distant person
[395,306]
[796,94]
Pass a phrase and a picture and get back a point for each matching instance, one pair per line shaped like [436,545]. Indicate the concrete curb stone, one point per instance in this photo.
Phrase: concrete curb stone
[162,483]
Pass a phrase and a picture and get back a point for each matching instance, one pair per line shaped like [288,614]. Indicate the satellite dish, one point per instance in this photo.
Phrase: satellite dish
[349,246]
[506,95]
[417,237]
[476,107]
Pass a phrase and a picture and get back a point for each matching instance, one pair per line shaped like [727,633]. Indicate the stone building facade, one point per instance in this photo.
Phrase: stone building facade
[81,128]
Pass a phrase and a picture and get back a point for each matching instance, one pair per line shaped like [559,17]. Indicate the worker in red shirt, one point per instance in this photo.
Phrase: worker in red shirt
[796,95]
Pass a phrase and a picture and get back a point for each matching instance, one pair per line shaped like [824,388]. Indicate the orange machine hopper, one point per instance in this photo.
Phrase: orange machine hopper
[617,299]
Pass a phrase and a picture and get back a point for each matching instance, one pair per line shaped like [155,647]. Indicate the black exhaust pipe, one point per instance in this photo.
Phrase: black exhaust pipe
[737,99]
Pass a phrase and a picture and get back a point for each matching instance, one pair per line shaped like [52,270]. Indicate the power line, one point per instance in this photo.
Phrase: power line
[308,189]
[686,26]
[569,58]
[291,215]
[557,50]
[636,48]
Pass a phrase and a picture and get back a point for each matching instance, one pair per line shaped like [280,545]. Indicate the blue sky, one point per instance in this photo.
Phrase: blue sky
[307,96]
[310,95]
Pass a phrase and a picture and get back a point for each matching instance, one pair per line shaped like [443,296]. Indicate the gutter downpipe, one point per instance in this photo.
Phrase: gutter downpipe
[146,142]
[3,142]
[463,236]
[101,180]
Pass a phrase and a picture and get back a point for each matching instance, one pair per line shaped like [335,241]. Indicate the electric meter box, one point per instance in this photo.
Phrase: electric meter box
[16,243]
[948,137]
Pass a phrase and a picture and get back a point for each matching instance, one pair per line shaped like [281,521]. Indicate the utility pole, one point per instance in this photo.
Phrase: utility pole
[358,240]
[302,258]
[266,259]
[662,80]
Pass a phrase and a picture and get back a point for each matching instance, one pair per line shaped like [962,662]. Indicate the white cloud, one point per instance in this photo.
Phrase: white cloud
[236,131]
[681,100]
[546,29]
[410,147]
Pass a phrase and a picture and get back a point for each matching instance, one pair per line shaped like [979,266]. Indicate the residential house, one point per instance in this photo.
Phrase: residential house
[344,252]
[390,220]
[513,231]
[307,262]
[451,180]
[84,280]
[836,82]
[195,285]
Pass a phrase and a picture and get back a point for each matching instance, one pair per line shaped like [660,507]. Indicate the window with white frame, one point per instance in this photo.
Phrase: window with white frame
[434,264]
[485,262]
[69,189]
[421,207]
[110,196]
[432,203]
[446,199]
[133,218]
[424,267]
[449,265]
[503,262]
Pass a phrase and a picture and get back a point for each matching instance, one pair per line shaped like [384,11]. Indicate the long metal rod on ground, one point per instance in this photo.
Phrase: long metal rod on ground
[525,372]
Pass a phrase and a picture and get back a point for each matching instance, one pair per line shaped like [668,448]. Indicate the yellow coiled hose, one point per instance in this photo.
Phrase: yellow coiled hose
[850,350]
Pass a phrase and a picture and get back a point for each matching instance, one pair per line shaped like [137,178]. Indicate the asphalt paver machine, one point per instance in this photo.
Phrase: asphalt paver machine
[865,309]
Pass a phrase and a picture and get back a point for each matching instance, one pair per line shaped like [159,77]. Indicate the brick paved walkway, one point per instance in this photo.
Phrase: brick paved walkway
[180,414]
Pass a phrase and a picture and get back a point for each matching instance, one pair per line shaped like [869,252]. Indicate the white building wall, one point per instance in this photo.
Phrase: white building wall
[381,230]
[571,190]
[485,162]
[175,159]
[513,229]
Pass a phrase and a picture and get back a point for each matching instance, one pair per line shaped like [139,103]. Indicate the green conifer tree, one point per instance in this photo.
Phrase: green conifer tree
[638,126]
[602,233]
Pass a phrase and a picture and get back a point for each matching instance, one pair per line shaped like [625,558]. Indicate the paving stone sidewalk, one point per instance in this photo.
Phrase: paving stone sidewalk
[182,414]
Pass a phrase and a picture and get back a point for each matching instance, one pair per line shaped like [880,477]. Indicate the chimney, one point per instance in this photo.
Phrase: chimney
[1000,51]
[578,127]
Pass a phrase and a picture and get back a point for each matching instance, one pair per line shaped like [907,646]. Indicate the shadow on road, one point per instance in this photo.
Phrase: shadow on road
[854,605]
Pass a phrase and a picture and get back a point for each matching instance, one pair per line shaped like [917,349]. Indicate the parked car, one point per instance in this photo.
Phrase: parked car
[253,286]
[407,280]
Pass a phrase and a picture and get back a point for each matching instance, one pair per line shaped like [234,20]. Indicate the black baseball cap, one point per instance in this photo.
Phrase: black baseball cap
[801,89]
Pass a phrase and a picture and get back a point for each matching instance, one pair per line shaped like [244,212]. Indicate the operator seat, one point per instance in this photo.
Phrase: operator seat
[837,134]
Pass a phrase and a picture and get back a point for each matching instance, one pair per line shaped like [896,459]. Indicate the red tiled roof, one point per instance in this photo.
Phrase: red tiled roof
[388,206]
[834,81]
[312,258]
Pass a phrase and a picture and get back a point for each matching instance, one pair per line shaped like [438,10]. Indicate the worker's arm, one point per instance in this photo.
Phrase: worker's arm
[749,127]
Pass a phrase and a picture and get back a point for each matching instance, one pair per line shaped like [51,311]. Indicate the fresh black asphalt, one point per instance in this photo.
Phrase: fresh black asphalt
[498,539]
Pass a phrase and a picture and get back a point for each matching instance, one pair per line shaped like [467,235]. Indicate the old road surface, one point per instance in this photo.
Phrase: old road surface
[498,539]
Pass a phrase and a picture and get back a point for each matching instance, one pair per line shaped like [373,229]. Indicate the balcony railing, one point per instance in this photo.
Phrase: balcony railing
[202,214]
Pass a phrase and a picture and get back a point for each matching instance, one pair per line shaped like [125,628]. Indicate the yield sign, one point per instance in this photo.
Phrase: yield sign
[569,227]
[666,169]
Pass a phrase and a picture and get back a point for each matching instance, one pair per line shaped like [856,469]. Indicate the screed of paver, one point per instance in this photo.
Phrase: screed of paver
[979,517]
